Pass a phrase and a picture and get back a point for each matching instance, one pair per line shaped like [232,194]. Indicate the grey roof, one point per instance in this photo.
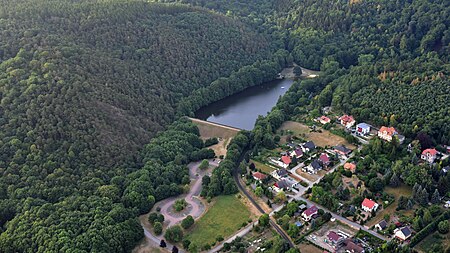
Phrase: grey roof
[282,172]
[283,184]
[316,165]
[343,148]
[363,125]
[382,224]
[406,231]
[310,145]
[302,206]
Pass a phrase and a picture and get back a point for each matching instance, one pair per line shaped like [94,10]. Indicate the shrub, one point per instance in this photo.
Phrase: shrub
[187,222]
[174,234]
[157,228]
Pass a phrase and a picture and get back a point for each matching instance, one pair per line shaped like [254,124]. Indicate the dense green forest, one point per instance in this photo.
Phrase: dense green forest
[83,86]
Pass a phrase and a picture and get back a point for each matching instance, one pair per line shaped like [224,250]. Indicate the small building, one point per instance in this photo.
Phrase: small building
[402,233]
[298,224]
[369,205]
[313,167]
[286,159]
[258,176]
[324,160]
[302,207]
[309,213]
[350,166]
[308,146]
[281,185]
[447,204]
[278,174]
[429,155]
[381,225]
[334,238]
[352,247]
[363,129]
[347,121]
[387,133]
[297,153]
[324,120]
[342,150]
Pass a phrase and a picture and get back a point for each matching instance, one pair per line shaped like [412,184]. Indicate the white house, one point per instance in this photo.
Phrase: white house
[429,155]
[363,129]
[381,225]
[309,213]
[279,174]
[369,205]
[347,121]
[402,233]
[387,133]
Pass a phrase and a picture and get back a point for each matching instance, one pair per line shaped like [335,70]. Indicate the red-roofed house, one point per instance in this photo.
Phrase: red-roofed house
[286,159]
[309,213]
[369,205]
[324,159]
[334,238]
[350,166]
[386,133]
[258,176]
[347,121]
[324,120]
[429,155]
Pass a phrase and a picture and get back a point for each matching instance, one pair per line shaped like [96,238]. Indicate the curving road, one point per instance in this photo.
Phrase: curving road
[196,208]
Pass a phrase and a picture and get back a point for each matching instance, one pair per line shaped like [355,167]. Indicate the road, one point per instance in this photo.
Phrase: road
[240,233]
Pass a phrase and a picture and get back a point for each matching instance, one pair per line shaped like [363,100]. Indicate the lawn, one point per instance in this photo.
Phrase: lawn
[427,244]
[320,139]
[224,218]
[263,167]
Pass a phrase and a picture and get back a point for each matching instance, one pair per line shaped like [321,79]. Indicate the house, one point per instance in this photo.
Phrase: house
[324,160]
[387,133]
[342,150]
[429,155]
[347,121]
[308,146]
[313,167]
[334,238]
[258,176]
[286,159]
[447,204]
[324,120]
[381,225]
[350,166]
[302,207]
[278,174]
[309,213]
[402,233]
[297,153]
[363,129]
[369,205]
[281,185]
[352,247]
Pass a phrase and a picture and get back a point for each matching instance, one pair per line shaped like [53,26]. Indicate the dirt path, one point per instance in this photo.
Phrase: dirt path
[196,209]
[215,124]
[306,73]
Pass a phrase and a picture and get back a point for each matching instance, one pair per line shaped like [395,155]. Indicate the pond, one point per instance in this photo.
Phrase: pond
[242,109]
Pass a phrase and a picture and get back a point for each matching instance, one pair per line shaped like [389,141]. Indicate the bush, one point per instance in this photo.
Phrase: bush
[174,234]
[152,217]
[211,141]
[180,204]
[157,228]
[443,227]
[219,238]
[187,222]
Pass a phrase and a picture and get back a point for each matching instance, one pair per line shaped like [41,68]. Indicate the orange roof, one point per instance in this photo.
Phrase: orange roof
[368,203]
[350,166]
[286,159]
[389,130]
[259,175]
[325,118]
[347,118]
[431,151]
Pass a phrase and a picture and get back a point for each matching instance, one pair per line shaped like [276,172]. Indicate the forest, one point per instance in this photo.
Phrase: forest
[84,88]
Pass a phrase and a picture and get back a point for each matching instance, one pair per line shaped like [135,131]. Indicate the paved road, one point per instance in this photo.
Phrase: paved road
[240,233]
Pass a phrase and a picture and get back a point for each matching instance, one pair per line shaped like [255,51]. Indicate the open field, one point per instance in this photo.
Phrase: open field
[402,190]
[310,248]
[320,139]
[223,218]
[210,130]
[427,244]
[263,167]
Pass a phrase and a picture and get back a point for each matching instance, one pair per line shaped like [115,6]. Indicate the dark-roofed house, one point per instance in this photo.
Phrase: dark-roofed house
[297,153]
[351,247]
[278,174]
[309,213]
[281,185]
[308,146]
[402,233]
[381,225]
[342,150]
[314,167]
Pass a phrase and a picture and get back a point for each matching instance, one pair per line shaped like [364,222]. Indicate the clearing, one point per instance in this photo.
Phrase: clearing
[211,130]
[325,138]
[263,167]
[223,218]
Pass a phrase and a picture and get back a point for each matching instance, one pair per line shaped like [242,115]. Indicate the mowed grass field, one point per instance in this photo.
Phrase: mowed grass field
[263,167]
[224,218]
[320,139]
